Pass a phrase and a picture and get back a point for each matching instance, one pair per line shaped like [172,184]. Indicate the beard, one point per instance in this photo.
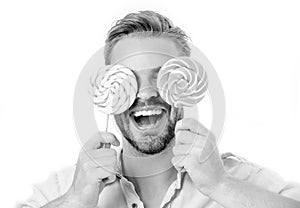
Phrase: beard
[149,142]
[152,144]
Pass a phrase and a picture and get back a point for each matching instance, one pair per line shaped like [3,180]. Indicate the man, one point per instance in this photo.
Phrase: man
[196,174]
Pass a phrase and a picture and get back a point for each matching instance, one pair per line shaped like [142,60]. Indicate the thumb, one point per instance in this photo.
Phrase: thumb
[109,180]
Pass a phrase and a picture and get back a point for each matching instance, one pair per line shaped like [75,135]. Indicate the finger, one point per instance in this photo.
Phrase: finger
[100,158]
[103,152]
[187,150]
[192,125]
[105,145]
[188,137]
[99,138]
[106,164]
[99,164]
[178,161]
[103,161]
[110,179]
[184,137]
[183,149]
[97,175]
[97,153]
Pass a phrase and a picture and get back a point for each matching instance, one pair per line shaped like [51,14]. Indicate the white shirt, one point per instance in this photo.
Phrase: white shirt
[181,193]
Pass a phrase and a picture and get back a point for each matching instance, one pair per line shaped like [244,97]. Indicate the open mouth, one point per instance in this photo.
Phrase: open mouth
[148,118]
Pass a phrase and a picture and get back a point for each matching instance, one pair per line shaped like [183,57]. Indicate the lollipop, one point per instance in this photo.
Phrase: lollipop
[115,89]
[182,81]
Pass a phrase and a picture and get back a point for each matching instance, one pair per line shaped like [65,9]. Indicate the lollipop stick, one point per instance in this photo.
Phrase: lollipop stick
[107,145]
[107,119]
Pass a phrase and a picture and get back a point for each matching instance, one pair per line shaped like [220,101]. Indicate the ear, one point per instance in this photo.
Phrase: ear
[182,81]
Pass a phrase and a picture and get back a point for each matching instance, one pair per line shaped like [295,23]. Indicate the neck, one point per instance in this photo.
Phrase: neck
[150,174]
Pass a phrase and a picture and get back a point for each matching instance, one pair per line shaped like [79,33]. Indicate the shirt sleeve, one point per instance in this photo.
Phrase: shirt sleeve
[291,190]
[260,176]
[274,182]
[53,187]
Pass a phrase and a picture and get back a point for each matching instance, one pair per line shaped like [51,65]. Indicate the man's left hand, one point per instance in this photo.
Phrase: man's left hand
[196,151]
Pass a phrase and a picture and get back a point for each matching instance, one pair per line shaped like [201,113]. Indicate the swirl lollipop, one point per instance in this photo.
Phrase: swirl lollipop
[182,81]
[115,89]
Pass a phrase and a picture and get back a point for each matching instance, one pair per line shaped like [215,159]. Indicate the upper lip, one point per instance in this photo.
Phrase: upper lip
[144,108]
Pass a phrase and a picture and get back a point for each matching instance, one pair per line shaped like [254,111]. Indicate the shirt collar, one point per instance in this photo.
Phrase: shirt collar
[132,197]
[126,184]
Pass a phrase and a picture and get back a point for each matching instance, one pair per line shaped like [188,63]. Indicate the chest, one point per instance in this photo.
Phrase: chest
[114,196]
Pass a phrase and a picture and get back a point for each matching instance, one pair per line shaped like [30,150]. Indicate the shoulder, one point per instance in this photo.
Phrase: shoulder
[59,181]
[54,186]
[266,178]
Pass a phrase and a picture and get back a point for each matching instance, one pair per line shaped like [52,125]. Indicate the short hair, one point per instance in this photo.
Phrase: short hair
[147,24]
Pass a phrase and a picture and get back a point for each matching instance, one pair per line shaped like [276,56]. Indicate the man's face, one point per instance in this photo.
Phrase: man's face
[148,125]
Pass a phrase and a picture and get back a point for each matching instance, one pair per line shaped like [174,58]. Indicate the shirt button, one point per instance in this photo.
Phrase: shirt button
[134,205]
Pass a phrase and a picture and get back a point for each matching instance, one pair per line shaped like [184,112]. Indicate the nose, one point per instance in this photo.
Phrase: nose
[147,90]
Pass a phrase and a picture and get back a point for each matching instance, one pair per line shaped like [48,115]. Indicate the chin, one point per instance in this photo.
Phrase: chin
[152,144]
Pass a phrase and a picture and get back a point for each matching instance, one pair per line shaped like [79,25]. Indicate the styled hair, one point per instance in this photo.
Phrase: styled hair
[146,24]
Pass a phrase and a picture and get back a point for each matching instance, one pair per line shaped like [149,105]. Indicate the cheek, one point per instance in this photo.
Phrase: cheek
[121,120]
[176,114]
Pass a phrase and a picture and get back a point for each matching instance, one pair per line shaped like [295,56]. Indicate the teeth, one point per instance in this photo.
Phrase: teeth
[147,112]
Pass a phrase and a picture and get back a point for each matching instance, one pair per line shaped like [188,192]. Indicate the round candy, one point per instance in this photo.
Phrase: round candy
[182,81]
[115,89]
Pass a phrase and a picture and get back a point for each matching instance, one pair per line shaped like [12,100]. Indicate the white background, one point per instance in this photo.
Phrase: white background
[253,45]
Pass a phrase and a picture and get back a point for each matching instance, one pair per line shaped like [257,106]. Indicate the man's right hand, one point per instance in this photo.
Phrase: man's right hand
[96,167]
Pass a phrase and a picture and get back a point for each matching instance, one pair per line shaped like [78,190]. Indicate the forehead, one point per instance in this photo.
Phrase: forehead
[165,49]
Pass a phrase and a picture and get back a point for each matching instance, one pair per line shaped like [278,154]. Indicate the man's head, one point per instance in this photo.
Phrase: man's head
[148,125]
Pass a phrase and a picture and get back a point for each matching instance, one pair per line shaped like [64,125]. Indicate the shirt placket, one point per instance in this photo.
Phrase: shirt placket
[174,188]
[132,198]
